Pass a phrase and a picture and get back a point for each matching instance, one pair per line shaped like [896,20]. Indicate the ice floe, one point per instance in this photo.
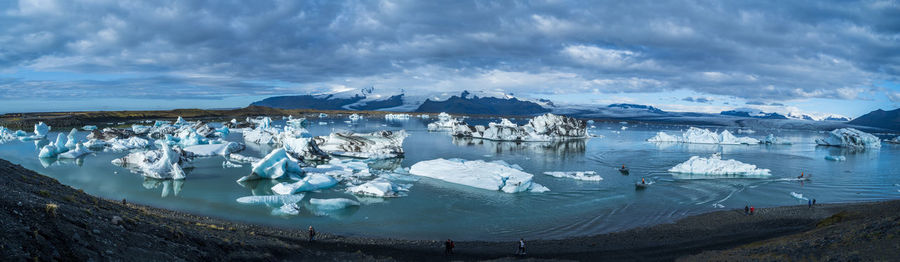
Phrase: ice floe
[396,117]
[134,142]
[89,128]
[228,164]
[548,127]
[798,196]
[54,148]
[355,117]
[703,136]
[379,187]
[71,138]
[163,163]
[444,122]
[835,158]
[496,175]
[375,145]
[6,134]
[311,182]
[332,203]
[577,175]
[77,151]
[850,138]
[715,166]
[223,149]
[275,165]
[772,140]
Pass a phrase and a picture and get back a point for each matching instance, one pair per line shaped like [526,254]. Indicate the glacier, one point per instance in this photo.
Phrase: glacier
[715,166]
[703,136]
[496,175]
[850,138]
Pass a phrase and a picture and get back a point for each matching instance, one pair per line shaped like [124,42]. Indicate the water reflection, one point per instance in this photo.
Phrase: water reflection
[564,148]
[48,161]
[169,186]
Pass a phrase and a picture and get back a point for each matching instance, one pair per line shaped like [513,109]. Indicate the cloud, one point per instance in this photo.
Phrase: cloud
[759,51]
[758,103]
[697,99]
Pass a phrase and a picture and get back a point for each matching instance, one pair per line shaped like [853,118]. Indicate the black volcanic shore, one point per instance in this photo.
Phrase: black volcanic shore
[45,220]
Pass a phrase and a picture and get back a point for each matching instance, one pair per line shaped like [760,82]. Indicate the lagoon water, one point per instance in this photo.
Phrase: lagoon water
[437,210]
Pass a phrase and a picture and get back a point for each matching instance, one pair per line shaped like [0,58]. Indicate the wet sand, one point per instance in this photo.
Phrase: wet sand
[46,220]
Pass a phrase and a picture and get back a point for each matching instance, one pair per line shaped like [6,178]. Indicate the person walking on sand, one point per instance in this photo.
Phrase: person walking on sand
[521,250]
[746,210]
[312,234]
[751,210]
[448,247]
[809,203]
[814,201]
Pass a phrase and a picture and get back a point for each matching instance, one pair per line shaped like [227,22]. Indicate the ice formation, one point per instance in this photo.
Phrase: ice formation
[163,163]
[275,165]
[355,117]
[116,144]
[375,145]
[497,175]
[850,138]
[444,122]
[577,175]
[6,134]
[215,149]
[77,151]
[228,164]
[715,166]
[71,139]
[40,132]
[89,128]
[54,148]
[798,196]
[379,187]
[835,158]
[312,182]
[396,117]
[548,127]
[895,140]
[332,203]
[303,148]
[772,140]
[323,115]
[703,136]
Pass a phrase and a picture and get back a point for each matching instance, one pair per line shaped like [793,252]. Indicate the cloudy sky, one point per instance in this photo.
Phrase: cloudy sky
[818,56]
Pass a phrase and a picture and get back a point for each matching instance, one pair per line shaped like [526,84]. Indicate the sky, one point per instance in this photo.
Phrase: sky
[817,57]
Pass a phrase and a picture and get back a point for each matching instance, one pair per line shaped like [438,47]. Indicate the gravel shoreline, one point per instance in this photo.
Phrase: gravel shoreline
[45,220]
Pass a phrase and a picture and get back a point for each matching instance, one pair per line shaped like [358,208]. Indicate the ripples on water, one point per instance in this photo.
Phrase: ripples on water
[437,210]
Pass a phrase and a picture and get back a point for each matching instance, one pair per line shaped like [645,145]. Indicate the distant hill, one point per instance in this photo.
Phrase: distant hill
[880,118]
[462,104]
[756,115]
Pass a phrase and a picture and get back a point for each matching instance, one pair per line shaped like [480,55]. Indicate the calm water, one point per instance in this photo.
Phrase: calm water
[437,210]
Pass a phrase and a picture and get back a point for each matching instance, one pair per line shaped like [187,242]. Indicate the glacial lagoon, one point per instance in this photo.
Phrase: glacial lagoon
[434,209]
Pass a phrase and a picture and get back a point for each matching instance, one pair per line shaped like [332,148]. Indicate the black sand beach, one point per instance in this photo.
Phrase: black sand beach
[45,220]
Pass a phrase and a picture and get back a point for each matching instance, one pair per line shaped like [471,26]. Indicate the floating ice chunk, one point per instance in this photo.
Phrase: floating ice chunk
[332,203]
[703,136]
[745,131]
[548,127]
[275,165]
[836,158]
[242,158]
[54,148]
[798,196]
[78,151]
[303,147]
[140,129]
[164,163]
[577,175]
[89,128]
[497,175]
[772,140]
[396,117]
[6,134]
[215,149]
[72,140]
[355,117]
[95,144]
[312,182]
[378,187]
[850,138]
[323,123]
[375,145]
[323,115]
[624,127]
[895,140]
[134,142]
[271,200]
[223,131]
[228,164]
[180,122]
[41,129]
[444,122]
[715,166]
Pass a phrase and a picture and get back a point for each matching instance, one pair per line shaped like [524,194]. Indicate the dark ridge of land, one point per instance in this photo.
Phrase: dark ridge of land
[45,220]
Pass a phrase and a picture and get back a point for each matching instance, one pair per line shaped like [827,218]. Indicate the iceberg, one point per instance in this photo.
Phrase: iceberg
[89,128]
[72,140]
[355,117]
[497,175]
[95,144]
[6,134]
[396,117]
[850,138]
[444,122]
[375,145]
[117,144]
[323,115]
[180,122]
[303,148]
[379,187]
[577,175]
[548,127]
[228,164]
[275,165]
[715,166]
[54,148]
[836,158]
[242,158]
[78,151]
[215,149]
[798,196]
[164,163]
[312,182]
[772,140]
[41,129]
[332,203]
[895,140]
[703,136]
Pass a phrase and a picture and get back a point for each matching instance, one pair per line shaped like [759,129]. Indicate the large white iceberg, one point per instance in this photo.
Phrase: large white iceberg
[715,166]
[577,175]
[76,152]
[378,187]
[444,122]
[164,163]
[772,140]
[54,148]
[40,132]
[548,127]
[396,117]
[703,136]
[275,165]
[72,139]
[375,145]
[215,149]
[134,142]
[895,140]
[496,175]
[312,182]
[6,134]
[850,138]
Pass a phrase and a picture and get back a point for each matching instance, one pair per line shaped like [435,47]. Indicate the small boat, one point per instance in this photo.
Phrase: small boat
[624,171]
[639,185]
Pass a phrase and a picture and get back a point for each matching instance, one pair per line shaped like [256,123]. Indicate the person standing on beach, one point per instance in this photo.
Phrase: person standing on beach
[751,210]
[746,210]
[814,201]
[521,250]
[809,203]
[448,247]
[312,234]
